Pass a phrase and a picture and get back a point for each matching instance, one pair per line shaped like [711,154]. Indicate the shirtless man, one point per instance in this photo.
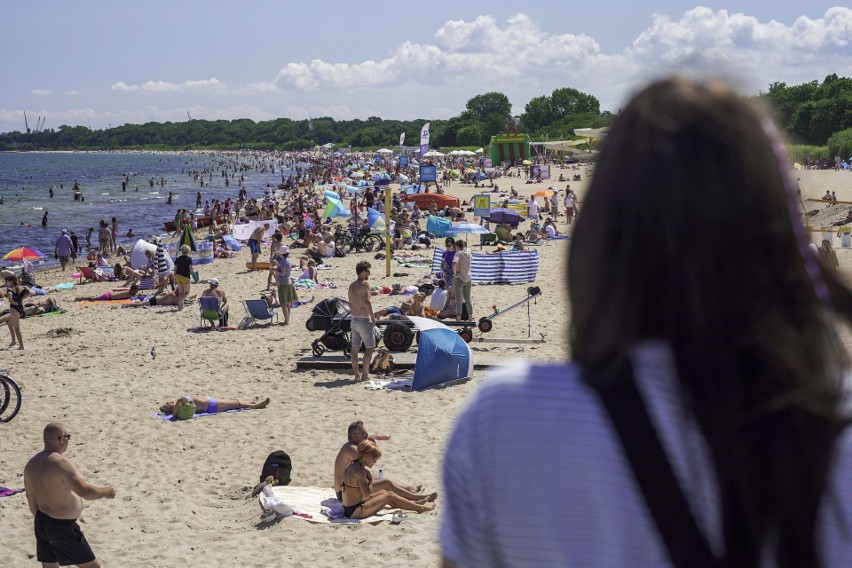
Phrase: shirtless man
[363,320]
[214,290]
[254,243]
[349,453]
[55,490]
[169,299]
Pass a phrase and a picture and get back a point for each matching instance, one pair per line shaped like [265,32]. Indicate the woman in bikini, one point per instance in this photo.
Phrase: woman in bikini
[359,499]
[15,294]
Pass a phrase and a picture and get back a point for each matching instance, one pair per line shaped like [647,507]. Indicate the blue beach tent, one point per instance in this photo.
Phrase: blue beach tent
[437,225]
[442,355]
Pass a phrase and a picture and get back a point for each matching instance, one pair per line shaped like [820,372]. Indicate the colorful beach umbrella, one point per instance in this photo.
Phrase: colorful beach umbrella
[375,220]
[334,206]
[544,193]
[23,253]
[186,238]
[507,216]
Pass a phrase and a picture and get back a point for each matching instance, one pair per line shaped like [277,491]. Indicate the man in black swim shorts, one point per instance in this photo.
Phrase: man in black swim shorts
[55,490]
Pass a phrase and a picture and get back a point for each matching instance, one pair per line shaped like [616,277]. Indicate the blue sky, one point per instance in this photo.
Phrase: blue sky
[98,63]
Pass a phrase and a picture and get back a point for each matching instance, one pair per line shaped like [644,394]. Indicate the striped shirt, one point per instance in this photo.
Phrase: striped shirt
[534,474]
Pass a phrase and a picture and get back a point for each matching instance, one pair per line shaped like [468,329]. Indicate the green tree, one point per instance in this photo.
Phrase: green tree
[484,107]
[840,144]
[469,136]
[568,101]
[537,113]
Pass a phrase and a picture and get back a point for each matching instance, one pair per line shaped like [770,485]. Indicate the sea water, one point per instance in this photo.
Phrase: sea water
[25,178]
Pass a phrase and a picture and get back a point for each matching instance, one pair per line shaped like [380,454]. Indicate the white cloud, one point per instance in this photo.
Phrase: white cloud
[122,86]
[40,92]
[211,84]
[499,55]
[73,92]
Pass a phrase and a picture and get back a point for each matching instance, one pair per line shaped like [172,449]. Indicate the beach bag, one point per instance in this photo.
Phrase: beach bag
[278,466]
[382,363]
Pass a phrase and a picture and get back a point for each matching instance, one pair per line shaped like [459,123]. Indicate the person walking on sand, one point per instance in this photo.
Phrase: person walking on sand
[254,243]
[15,295]
[282,267]
[63,249]
[363,320]
[55,490]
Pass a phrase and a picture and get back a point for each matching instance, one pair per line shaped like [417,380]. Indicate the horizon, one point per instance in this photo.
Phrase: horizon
[134,65]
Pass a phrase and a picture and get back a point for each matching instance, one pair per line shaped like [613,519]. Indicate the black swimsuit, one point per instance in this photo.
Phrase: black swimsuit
[349,510]
[18,299]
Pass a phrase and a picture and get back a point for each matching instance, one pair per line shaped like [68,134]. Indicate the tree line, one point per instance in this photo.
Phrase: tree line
[812,113]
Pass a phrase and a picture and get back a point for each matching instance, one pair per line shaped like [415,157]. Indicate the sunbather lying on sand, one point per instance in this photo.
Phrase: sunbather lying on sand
[169,299]
[186,407]
[38,308]
[110,295]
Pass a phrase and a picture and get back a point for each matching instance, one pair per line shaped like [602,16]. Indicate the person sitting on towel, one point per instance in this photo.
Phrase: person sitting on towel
[348,453]
[360,494]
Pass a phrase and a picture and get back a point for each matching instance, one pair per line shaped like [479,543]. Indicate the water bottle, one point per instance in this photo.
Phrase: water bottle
[381,474]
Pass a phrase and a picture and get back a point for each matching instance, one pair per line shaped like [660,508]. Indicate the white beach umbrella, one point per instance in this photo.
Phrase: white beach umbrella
[384,151]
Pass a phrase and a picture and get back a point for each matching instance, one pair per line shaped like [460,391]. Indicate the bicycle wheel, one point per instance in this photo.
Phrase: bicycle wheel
[10,398]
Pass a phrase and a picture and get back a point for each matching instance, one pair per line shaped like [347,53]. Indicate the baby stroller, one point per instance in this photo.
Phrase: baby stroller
[332,317]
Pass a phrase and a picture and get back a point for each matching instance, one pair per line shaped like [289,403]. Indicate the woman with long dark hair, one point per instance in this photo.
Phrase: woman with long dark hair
[700,422]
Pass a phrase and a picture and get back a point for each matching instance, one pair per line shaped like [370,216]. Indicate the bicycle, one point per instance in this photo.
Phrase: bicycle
[10,397]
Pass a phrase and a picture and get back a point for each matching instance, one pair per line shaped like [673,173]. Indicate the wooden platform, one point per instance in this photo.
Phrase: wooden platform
[400,361]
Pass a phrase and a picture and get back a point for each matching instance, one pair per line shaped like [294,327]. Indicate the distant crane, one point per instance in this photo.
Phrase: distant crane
[188,116]
[27,124]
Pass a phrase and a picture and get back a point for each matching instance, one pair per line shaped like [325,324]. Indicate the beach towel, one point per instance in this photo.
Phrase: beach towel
[396,384]
[505,268]
[103,302]
[309,503]
[170,418]
[6,492]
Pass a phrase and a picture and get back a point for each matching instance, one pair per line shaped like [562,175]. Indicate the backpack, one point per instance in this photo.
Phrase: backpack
[382,362]
[338,252]
[279,466]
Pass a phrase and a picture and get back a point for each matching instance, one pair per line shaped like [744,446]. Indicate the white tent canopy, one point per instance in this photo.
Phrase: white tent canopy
[433,154]
[384,151]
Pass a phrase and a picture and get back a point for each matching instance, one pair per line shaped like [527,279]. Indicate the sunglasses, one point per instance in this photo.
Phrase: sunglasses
[66,436]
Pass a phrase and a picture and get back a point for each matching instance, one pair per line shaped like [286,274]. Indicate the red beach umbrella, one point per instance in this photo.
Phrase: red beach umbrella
[23,253]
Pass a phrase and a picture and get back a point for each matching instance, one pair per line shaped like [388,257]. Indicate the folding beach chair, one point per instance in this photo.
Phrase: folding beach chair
[258,310]
[86,274]
[210,310]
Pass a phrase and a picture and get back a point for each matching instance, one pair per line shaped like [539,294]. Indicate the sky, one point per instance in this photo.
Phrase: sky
[106,63]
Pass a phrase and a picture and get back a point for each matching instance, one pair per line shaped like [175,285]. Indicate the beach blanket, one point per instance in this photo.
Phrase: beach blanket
[308,504]
[170,418]
[6,492]
[103,302]
[511,267]
[396,384]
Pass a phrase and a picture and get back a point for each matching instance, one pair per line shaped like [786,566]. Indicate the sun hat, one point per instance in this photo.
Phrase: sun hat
[284,250]
[213,281]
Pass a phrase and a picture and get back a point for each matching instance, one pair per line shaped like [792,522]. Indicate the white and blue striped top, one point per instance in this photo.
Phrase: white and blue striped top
[534,475]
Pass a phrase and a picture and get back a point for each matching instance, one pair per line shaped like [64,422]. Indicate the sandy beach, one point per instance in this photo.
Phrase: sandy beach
[183,489]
